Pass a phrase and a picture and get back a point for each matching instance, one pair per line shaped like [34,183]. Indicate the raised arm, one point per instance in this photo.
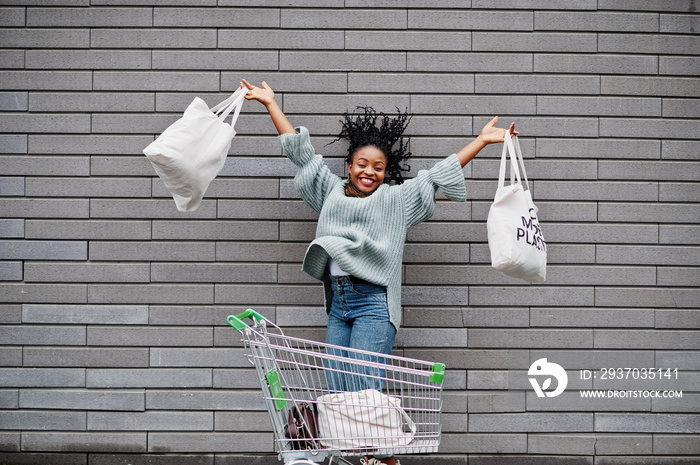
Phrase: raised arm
[266,96]
[489,135]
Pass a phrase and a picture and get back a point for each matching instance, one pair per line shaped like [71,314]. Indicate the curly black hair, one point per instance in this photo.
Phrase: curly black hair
[361,130]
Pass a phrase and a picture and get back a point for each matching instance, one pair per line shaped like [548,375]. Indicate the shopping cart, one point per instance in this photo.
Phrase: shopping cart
[327,402]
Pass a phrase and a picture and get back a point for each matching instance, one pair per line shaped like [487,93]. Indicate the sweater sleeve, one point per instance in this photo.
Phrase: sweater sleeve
[313,180]
[419,193]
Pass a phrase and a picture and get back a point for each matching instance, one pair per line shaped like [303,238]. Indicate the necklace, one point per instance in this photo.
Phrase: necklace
[352,191]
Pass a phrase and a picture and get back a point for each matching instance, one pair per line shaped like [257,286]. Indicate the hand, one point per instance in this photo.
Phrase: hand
[491,134]
[264,95]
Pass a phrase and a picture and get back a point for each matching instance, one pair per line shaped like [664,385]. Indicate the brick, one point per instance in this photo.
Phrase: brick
[14,101]
[679,150]
[469,62]
[479,443]
[679,234]
[670,276]
[680,108]
[265,209]
[579,296]
[287,82]
[676,129]
[46,208]
[417,337]
[646,213]
[534,42]
[197,315]
[42,420]
[148,378]
[82,399]
[280,39]
[84,442]
[151,459]
[261,252]
[539,338]
[9,442]
[204,400]
[408,40]
[89,145]
[43,335]
[605,275]
[151,208]
[650,86]
[602,63]
[535,4]
[601,233]
[89,17]
[677,319]
[12,228]
[343,19]
[54,293]
[46,80]
[26,458]
[85,357]
[410,83]
[23,122]
[11,186]
[43,250]
[601,191]
[679,192]
[152,38]
[198,357]
[530,422]
[561,443]
[156,2]
[548,84]
[268,295]
[679,24]
[400,3]
[88,229]
[149,336]
[156,81]
[254,167]
[679,298]
[150,294]
[614,444]
[45,38]
[593,317]
[647,423]
[98,101]
[475,105]
[13,17]
[593,359]
[10,357]
[215,59]
[646,339]
[341,61]
[216,230]
[215,272]
[602,148]
[84,314]
[676,444]
[151,251]
[471,20]
[11,271]
[11,59]
[10,314]
[242,421]
[541,169]
[602,106]
[648,43]
[150,421]
[13,143]
[496,402]
[689,66]
[88,59]
[210,442]
[88,187]
[581,254]
[596,21]
[42,377]
[652,5]
[215,17]
[443,232]
[300,103]
[238,379]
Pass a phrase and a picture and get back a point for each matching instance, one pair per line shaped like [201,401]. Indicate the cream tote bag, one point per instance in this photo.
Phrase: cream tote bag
[191,152]
[363,419]
[517,245]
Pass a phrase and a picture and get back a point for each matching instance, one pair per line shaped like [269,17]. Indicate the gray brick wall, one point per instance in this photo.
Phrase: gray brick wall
[113,343]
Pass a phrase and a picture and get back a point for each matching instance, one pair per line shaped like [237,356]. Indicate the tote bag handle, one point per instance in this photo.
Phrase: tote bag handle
[512,148]
[224,108]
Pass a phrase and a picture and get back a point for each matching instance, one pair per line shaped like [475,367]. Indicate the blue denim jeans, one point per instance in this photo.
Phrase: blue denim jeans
[358,319]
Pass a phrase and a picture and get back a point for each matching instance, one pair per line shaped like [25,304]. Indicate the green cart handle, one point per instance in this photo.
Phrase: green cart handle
[438,373]
[235,320]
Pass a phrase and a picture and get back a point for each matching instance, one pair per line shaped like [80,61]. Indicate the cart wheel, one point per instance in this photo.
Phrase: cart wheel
[302,462]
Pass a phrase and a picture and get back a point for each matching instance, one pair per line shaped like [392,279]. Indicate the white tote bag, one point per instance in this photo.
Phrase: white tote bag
[517,245]
[192,151]
[363,419]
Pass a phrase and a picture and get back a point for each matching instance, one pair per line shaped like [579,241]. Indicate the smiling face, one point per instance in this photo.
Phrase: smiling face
[367,169]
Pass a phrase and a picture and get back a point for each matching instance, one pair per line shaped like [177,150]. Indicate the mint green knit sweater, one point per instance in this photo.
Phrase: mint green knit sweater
[366,236]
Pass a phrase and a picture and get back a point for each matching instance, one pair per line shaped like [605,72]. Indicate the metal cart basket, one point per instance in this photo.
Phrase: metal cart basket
[326,402]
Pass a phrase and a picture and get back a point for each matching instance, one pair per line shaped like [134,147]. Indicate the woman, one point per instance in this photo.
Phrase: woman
[362,224]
